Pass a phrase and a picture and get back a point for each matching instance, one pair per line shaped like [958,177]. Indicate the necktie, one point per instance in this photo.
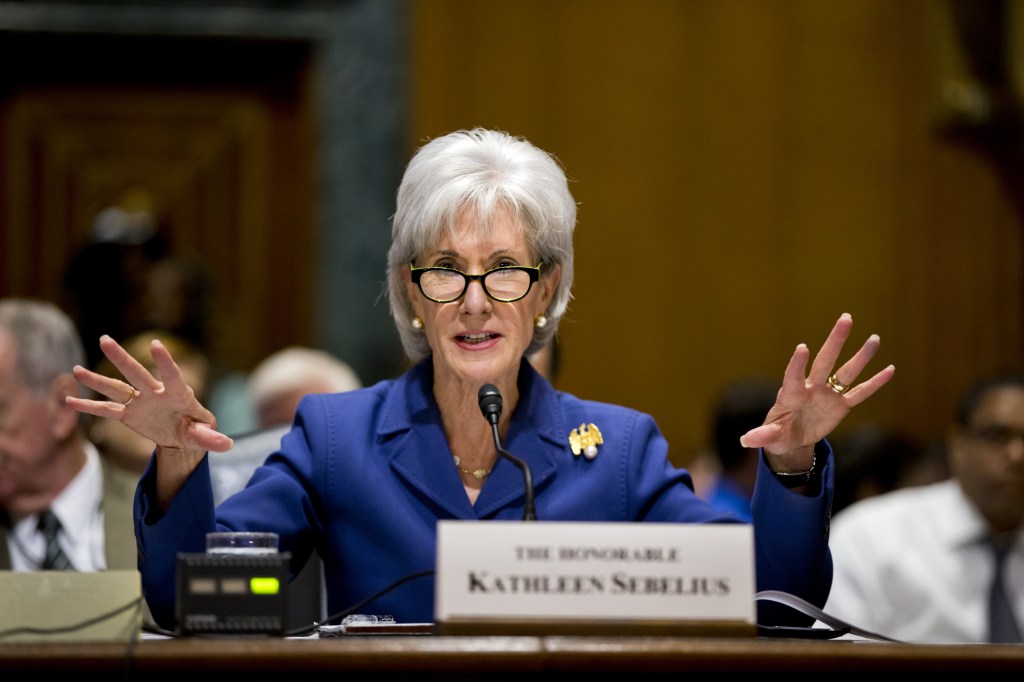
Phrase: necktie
[55,558]
[1002,624]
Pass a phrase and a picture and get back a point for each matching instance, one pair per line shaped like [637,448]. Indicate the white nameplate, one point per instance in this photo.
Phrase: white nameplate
[493,571]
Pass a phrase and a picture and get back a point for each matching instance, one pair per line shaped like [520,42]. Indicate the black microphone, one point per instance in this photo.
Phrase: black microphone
[489,399]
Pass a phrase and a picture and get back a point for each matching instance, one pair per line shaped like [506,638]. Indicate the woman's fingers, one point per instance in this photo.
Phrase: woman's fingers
[97,408]
[210,439]
[809,406]
[794,378]
[866,389]
[134,372]
[165,410]
[847,374]
[169,371]
[826,358]
[761,436]
[115,389]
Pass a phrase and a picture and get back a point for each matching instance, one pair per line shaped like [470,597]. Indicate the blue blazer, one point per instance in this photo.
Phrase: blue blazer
[364,476]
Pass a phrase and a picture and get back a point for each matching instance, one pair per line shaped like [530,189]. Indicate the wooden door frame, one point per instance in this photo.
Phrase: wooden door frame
[358,74]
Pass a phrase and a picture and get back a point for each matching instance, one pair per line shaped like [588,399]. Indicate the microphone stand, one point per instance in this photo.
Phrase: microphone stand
[489,399]
[529,513]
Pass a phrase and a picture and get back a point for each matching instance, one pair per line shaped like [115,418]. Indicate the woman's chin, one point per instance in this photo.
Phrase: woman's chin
[482,368]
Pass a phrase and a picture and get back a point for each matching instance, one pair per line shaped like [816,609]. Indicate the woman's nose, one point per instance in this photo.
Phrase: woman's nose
[475,300]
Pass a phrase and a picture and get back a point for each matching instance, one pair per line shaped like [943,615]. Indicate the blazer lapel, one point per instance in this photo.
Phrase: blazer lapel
[416,446]
[419,453]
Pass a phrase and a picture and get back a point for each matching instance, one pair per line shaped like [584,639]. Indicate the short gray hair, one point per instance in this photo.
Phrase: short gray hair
[297,368]
[46,341]
[490,171]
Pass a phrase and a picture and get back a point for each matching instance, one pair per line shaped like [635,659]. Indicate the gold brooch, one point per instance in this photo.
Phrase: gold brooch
[585,440]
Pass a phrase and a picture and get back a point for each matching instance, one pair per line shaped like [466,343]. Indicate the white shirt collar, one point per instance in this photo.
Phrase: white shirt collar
[79,503]
[78,508]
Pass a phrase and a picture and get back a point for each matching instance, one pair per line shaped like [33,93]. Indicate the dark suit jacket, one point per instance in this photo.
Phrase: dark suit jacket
[118,491]
[364,476]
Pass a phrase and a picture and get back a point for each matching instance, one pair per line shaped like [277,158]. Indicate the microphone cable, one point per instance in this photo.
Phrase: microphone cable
[837,627]
[308,630]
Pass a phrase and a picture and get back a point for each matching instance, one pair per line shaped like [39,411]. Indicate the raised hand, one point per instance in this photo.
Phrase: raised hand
[809,406]
[164,411]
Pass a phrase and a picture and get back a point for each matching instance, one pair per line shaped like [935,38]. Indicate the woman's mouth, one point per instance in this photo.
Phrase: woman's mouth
[473,339]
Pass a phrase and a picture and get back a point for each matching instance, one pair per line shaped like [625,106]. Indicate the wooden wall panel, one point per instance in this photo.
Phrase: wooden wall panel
[746,172]
[299,187]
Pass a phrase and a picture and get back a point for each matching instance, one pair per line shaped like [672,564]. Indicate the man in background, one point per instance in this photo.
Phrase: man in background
[52,478]
[919,564]
[282,379]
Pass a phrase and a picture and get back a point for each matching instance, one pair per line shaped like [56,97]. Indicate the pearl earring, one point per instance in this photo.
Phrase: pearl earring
[540,321]
[417,323]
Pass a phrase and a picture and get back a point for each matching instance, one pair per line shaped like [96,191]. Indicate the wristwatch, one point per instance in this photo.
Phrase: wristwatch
[799,478]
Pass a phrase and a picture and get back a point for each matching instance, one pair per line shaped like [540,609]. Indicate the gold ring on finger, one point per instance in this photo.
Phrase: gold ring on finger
[838,386]
[128,402]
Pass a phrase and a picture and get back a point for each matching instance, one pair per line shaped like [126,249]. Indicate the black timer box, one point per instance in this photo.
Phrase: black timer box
[232,593]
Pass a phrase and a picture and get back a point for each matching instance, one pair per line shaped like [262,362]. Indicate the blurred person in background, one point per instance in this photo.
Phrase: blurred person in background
[276,387]
[879,459]
[282,379]
[47,464]
[106,279]
[726,475]
[916,564]
[128,277]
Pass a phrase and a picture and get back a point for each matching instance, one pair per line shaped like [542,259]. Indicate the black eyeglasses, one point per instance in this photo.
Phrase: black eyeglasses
[506,284]
[996,435]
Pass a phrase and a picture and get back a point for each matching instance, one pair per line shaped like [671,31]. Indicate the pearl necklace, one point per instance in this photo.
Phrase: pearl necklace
[478,474]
